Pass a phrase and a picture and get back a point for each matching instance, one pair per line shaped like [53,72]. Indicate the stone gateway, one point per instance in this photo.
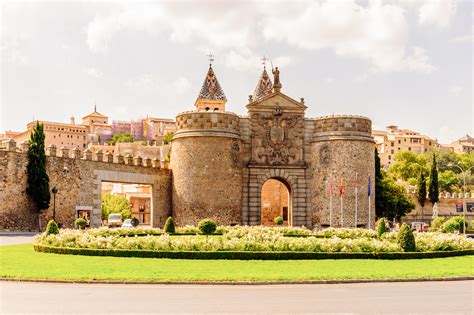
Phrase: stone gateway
[317,169]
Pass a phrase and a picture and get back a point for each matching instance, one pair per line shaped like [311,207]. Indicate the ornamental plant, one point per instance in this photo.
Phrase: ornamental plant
[207,226]
[436,224]
[381,228]
[454,224]
[170,227]
[278,220]
[135,222]
[81,223]
[406,239]
[52,228]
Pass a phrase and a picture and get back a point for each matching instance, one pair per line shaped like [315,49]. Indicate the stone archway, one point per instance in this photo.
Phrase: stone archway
[275,202]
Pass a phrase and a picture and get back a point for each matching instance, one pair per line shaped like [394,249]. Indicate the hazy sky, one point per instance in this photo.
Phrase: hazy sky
[403,62]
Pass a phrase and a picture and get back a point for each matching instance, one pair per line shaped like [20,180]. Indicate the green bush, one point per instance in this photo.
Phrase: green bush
[81,223]
[436,224]
[381,228]
[454,224]
[170,227]
[406,239]
[135,222]
[278,220]
[244,255]
[207,226]
[52,228]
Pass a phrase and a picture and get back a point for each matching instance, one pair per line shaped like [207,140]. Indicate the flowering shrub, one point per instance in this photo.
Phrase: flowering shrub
[252,239]
[346,233]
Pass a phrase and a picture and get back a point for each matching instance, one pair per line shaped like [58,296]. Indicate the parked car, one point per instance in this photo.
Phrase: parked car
[114,220]
[127,224]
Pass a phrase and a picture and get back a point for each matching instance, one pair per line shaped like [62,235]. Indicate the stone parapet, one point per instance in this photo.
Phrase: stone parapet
[342,127]
[207,124]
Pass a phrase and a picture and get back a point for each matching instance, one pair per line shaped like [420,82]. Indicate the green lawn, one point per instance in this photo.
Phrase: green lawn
[21,262]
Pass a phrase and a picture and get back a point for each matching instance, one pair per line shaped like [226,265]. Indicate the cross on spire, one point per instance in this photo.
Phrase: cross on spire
[211,58]
[264,61]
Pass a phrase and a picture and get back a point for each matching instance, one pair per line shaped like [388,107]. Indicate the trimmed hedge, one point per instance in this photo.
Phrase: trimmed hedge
[246,255]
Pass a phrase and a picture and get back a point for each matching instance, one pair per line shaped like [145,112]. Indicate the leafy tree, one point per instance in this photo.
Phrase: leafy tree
[391,200]
[115,204]
[421,191]
[407,164]
[168,137]
[119,137]
[207,226]
[38,180]
[433,188]
[448,179]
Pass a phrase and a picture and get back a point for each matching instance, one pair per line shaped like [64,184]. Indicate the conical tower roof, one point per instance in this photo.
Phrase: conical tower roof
[211,89]
[264,86]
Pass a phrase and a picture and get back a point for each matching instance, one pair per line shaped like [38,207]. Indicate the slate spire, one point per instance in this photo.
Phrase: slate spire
[211,96]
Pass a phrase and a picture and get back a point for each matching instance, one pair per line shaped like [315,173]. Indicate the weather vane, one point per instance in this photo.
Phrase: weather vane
[264,61]
[211,58]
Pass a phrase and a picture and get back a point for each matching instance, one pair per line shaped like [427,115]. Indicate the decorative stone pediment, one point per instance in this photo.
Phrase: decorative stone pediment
[276,100]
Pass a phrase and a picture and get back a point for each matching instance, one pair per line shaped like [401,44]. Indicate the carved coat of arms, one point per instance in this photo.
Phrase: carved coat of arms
[276,141]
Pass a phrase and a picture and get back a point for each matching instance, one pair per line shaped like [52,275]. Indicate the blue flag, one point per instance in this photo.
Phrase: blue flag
[368,188]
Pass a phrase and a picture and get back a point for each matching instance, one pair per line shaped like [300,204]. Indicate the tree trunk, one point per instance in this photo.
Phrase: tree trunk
[39,221]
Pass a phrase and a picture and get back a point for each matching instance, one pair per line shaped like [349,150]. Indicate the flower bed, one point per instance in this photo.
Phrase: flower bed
[249,239]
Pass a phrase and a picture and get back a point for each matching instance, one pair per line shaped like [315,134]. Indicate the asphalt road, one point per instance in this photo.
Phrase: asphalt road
[16,239]
[396,298]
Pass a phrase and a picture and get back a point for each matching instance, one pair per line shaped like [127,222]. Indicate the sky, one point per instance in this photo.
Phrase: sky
[399,62]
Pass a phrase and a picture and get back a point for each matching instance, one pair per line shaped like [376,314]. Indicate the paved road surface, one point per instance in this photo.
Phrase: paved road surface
[422,297]
[16,239]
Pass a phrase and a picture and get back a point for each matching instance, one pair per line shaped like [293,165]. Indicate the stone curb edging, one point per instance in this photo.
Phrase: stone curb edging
[350,281]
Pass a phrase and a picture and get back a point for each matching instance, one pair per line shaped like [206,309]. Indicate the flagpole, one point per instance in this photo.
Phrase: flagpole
[369,212]
[342,215]
[341,191]
[330,201]
[356,188]
[369,192]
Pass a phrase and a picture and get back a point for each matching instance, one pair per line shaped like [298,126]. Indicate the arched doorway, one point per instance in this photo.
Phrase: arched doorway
[275,202]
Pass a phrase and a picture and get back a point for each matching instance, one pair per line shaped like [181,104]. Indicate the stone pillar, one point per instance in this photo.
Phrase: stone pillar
[99,156]
[155,163]
[342,148]
[87,154]
[11,145]
[76,153]
[64,152]
[147,162]
[109,157]
[119,158]
[51,150]
[137,160]
[207,172]
[25,146]
[128,159]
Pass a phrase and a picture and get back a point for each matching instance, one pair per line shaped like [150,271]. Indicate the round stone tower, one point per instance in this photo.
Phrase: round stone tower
[207,172]
[342,154]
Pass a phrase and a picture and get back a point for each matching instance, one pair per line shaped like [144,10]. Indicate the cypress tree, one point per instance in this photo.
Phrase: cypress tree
[433,189]
[421,191]
[38,180]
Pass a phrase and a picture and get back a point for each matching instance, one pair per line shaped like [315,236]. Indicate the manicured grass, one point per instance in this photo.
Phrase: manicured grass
[21,262]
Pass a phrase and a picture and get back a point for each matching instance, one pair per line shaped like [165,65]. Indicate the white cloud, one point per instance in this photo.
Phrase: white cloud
[437,12]
[464,39]
[446,134]
[376,32]
[93,72]
[10,51]
[329,80]
[456,89]
[151,84]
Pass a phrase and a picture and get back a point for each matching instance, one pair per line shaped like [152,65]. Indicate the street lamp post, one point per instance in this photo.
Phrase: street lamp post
[464,173]
[54,191]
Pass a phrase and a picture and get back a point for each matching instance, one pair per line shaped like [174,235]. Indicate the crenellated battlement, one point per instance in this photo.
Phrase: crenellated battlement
[202,123]
[10,145]
[342,126]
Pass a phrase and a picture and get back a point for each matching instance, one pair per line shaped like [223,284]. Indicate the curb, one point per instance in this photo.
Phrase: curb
[353,281]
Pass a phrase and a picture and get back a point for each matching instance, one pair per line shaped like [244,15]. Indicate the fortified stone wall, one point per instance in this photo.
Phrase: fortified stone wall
[78,176]
[207,168]
[342,148]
